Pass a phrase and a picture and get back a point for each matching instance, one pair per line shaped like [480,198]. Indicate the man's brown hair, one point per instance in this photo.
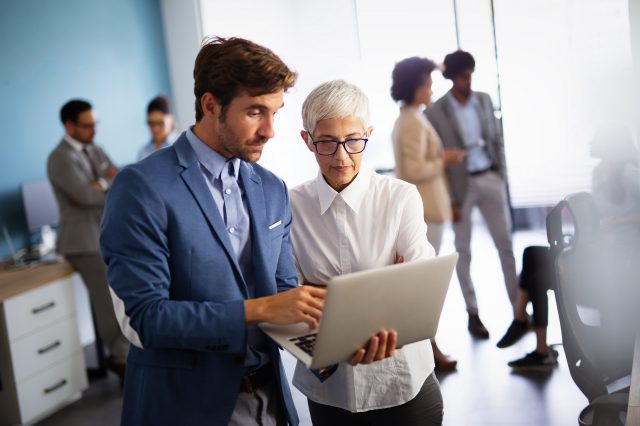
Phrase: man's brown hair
[226,67]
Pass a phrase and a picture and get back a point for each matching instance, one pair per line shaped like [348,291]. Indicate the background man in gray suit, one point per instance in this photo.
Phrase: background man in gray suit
[464,119]
[80,173]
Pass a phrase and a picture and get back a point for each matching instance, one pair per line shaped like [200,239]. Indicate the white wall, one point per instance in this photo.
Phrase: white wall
[313,33]
[560,63]
[359,41]
[565,68]
[182,35]
[634,17]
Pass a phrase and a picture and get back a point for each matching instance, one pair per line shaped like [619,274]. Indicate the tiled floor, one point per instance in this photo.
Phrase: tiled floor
[483,390]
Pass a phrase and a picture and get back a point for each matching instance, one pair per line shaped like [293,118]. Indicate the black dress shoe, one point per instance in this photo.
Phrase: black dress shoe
[514,333]
[477,328]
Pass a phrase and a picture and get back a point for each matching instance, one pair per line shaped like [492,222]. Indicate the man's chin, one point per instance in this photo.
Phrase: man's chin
[252,154]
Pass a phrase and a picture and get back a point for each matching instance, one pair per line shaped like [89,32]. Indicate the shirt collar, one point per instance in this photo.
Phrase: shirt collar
[457,104]
[209,158]
[352,194]
[75,144]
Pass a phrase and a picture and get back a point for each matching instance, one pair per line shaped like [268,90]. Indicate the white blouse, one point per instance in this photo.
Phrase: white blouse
[369,224]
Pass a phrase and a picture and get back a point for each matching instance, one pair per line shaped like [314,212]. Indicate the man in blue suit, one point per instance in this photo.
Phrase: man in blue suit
[196,239]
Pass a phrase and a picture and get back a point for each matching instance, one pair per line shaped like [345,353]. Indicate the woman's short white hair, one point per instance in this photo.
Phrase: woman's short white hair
[335,99]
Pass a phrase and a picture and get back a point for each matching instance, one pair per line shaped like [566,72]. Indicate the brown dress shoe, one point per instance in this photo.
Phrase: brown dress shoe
[477,328]
[443,362]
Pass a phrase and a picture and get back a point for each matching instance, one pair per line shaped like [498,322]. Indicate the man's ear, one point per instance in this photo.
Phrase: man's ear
[68,127]
[369,131]
[210,105]
[307,140]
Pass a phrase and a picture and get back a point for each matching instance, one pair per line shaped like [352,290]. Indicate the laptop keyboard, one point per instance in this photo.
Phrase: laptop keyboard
[306,343]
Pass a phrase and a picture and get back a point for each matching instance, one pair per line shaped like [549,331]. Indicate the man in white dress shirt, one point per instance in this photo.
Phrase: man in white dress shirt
[347,220]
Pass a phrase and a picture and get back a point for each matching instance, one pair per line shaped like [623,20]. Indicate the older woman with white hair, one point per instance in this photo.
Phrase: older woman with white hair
[349,219]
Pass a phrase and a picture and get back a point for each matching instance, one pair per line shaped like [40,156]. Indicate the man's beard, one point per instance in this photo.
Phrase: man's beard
[81,139]
[237,147]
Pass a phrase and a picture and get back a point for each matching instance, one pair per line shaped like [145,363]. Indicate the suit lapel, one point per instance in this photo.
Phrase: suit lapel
[252,186]
[192,177]
[453,120]
[80,157]
[482,117]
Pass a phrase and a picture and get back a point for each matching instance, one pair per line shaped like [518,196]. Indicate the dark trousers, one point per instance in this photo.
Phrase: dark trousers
[536,278]
[94,274]
[424,410]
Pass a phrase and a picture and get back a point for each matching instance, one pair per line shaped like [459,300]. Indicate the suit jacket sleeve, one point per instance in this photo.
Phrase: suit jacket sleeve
[69,176]
[412,162]
[136,248]
[107,164]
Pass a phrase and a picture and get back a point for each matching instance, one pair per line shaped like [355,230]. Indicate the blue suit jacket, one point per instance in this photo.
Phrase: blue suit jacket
[173,268]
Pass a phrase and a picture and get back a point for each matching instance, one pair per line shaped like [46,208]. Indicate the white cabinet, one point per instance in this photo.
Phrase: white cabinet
[41,360]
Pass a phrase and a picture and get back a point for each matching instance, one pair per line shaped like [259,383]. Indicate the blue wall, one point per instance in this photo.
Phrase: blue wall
[108,52]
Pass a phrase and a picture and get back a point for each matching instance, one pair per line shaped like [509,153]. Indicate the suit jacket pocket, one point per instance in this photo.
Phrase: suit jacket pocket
[276,232]
[275,238]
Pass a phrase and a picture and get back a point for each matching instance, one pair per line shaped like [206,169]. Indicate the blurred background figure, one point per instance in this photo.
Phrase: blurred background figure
[464,119]
[616,194]
[419,157]
[161,125]
[81,174]
[616,184]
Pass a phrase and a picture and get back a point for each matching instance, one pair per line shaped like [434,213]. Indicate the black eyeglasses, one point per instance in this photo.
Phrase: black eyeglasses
[329,147]
[86,126]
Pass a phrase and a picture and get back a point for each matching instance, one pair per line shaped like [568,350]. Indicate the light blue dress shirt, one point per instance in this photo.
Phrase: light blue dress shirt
[222,175]
[478,158]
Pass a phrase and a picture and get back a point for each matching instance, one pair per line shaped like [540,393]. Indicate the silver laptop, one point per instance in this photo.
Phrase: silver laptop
[406,297]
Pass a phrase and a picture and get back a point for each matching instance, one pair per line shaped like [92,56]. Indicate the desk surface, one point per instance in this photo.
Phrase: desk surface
[18,281]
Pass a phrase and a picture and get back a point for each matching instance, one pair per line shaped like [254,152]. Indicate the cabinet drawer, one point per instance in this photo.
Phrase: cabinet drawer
[38,308]
[52,387]
[36,352]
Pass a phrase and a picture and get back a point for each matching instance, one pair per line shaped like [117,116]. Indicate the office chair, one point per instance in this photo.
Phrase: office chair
[598,354]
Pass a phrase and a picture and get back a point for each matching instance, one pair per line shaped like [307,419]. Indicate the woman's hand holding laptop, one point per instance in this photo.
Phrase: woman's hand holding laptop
[381,346]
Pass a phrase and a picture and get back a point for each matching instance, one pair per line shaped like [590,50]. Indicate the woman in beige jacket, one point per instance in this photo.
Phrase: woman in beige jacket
[419,156]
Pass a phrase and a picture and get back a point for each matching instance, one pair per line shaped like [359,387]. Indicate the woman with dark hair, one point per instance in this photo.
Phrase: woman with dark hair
[419,156]
[161,125]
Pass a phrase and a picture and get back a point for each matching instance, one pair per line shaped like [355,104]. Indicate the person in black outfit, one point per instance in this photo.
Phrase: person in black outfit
[536,278]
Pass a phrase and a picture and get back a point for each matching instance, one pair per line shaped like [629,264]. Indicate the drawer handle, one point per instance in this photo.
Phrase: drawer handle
[43,308]
[49,347]
[57,386]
